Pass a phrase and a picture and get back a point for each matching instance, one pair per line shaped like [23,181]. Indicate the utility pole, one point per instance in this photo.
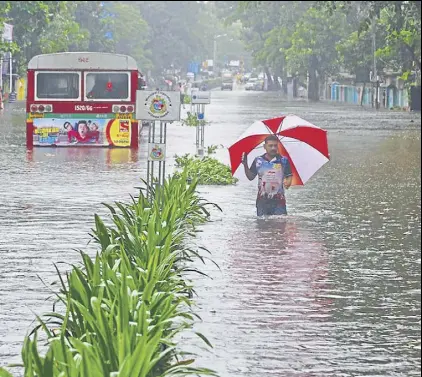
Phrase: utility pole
[1,70]
[375,73]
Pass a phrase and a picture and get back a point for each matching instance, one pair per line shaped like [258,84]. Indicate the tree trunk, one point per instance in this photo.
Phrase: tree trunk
[313,88]
[322,86]
[283,77]
[269,79]
[295,88]
[277,85]
[284,84]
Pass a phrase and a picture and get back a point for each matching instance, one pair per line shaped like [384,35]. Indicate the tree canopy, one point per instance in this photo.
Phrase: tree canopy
[322,39]
[158,34]
[285,39]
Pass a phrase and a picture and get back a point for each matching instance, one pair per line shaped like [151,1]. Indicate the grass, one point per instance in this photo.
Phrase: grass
[122,311]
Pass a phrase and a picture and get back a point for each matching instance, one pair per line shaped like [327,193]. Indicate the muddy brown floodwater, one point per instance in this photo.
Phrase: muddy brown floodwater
[331,290]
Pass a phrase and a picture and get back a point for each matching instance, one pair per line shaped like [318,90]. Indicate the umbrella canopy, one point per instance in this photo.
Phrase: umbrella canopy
[304,144]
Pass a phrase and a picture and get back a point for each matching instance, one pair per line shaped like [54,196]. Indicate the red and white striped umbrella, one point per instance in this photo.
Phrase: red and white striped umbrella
[304,144]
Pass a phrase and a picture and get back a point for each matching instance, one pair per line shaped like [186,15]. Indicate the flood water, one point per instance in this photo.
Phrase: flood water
[331,290]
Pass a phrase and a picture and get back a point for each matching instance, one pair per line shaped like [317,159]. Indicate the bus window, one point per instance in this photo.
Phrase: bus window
[57,85]
[102,85]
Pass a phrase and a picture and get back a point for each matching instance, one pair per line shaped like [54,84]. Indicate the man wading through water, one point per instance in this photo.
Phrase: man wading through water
[274,176]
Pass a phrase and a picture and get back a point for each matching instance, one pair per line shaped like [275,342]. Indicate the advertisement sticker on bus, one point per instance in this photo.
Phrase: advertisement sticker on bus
[82,131]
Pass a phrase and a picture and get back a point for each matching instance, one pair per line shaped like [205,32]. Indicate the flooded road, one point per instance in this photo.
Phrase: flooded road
[332,290]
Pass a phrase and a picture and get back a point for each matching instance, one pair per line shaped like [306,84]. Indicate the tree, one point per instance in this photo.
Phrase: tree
[173,32]
[64,33]
[258,20]
[129,32]
[29,20]
[402,22]
[313,47]
[95,22]
[4,45]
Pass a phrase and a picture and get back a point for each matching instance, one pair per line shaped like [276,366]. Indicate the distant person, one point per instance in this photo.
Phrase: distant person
[274,177]
[180,89]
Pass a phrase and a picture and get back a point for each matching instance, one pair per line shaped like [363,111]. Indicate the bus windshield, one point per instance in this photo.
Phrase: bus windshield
[104,85]
[57,85]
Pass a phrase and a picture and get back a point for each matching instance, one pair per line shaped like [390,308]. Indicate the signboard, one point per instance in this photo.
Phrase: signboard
[8,32]
[362,75]
[80,131]
[156,152]
[193,67]
[157,105]
[201,98]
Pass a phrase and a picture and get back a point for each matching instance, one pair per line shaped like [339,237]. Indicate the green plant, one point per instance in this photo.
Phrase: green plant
[207,170]
[4,373]
[211,149]
[192,120]
[123,309]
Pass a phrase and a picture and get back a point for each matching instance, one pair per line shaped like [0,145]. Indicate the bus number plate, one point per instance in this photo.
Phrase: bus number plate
[83,108]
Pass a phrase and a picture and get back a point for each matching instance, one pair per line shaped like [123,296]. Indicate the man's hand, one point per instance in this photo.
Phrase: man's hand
[287,182]
[245,159]
[248,172]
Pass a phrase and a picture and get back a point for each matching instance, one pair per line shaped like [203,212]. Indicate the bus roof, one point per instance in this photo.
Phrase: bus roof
[83,60]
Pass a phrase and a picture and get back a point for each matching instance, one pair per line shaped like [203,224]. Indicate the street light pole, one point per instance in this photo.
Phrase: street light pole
[214,57]
[215,50]
[1,71]
[375,73]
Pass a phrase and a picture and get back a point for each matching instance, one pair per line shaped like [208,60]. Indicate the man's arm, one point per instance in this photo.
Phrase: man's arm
[252,172]
[288,175]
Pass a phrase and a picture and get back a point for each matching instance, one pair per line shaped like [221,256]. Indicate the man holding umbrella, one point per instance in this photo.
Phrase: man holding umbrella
[274,176]
[295,150]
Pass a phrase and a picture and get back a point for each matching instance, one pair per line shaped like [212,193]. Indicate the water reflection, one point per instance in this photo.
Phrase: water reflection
[271,301]
[109,156]
[332,290]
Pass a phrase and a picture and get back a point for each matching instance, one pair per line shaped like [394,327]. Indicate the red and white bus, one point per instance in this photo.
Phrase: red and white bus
[82,99]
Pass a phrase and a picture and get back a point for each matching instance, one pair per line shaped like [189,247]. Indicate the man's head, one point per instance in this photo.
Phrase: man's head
[83,129]
[271,145]
[67,126]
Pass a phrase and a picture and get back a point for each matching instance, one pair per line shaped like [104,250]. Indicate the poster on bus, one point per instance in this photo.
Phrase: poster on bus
[81,132]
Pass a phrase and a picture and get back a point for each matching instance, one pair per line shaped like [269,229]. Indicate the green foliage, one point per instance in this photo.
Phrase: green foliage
[324,37]
[207,170]
[192,120]
[5,373]
[63,33]
[130,32]
[212,148]
[123,309]
[398,30]
[158,34]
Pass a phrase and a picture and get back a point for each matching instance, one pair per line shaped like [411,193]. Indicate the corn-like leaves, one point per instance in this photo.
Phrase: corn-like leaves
[125,306]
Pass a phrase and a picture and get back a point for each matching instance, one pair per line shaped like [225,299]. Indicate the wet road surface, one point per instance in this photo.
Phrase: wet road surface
[331,290]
